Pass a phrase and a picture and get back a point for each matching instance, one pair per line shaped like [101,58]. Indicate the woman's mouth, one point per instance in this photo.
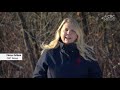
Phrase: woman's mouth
[67,37]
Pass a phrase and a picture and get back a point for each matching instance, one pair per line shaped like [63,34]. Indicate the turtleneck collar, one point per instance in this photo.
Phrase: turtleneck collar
[72,47]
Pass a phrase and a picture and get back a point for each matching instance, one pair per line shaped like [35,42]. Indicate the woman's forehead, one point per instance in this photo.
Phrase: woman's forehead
[69,25]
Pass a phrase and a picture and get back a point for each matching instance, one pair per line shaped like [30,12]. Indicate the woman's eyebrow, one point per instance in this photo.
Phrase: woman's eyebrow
[72,30]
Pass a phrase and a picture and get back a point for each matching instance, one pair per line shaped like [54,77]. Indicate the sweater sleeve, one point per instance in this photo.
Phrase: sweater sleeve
[94,70]
[41,66]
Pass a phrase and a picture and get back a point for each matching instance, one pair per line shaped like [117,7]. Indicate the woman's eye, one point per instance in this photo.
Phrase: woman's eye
[66,29]
[72,30]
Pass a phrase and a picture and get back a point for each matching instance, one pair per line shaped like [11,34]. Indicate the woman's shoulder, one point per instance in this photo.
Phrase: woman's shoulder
[92,62]
[88,60]
[50,51]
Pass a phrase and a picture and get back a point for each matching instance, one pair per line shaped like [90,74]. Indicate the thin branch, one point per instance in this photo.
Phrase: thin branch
[14,64]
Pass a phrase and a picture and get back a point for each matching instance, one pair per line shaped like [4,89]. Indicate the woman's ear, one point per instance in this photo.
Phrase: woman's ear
[76,39]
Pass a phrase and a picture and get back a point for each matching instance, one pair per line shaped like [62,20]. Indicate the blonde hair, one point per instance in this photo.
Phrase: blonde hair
[85,50]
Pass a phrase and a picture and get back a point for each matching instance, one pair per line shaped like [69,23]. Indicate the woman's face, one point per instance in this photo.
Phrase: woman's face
[68,34]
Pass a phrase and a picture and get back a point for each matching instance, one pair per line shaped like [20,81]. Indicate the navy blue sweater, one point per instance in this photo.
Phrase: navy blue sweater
[65,62]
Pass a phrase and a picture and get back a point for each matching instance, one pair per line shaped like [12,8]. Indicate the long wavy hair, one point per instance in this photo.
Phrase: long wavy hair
[85,50]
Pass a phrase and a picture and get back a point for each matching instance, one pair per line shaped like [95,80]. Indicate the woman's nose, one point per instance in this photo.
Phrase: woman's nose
[68,32]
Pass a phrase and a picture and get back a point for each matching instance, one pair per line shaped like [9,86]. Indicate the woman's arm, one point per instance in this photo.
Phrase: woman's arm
[94,70]
[41,67]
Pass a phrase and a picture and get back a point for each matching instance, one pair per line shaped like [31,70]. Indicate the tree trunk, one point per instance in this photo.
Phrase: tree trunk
[27,41]
[84,21]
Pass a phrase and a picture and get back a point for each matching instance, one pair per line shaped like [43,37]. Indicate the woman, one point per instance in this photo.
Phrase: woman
[67,56]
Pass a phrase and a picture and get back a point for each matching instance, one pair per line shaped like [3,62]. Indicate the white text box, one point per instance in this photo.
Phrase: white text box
[11,56]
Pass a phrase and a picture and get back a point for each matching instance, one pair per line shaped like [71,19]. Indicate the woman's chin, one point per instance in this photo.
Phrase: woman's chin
[67,42]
